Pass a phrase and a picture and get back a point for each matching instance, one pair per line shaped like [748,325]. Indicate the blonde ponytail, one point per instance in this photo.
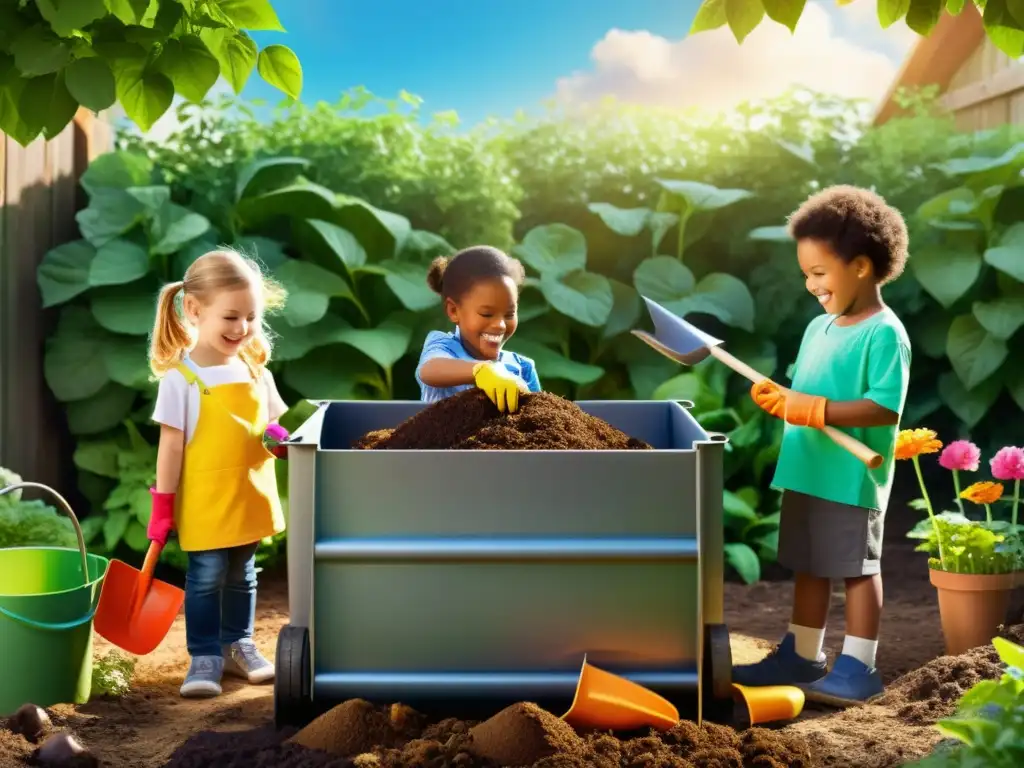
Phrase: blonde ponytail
[170,339]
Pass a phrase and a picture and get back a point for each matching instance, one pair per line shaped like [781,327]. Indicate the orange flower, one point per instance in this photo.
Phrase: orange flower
[983,492]
[911,443]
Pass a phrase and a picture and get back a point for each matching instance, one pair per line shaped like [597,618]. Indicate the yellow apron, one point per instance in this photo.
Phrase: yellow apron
[227,495]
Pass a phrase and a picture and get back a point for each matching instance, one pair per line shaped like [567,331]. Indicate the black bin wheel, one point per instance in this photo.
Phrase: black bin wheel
[717,674]
[293,679]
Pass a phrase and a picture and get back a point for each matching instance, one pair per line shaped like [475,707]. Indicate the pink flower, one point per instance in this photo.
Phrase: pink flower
[1008,463]
[960,454]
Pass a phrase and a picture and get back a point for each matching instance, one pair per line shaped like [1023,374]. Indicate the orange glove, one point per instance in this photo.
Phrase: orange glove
[795,407]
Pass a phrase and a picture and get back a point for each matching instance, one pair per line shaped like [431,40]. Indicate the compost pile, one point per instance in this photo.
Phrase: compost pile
[357,734]
[469,421]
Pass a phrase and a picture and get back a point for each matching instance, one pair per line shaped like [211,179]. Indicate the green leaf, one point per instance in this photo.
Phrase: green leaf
[556,366]
[689,387]
[144,93]
[970,406]
[695,196]
[300,200]
[45,102]
[1002,29]
[778,234]
[381,233]
[1011,654]
[118,262]
[744,561]
[891,11]
[1002,317]
[384,344]
[294,342]
[408,281]
[91,83]
[128,311]
[332,246]
[104,410]
[946,272]
[785,12]
[310,290]
[584,296]
[663,279]
[98,457]
[184,258]
[117,170]
[190,66]
[626,310]
[153,198]
[268,174]
[659,223]
[974,352]
[111,213]
[710,15]
[553,250]
[235,52]
[128,12]
[135,536]
[64,272]
[66,16]
[723,296]
[175,227]
[257,15]
[125,358]
[923,15]
[1008,256]
[743,17]
[738,511]
[267,252]
[628,222]
[37,51]
[336,372]
[930,334]
[73,361]
[280,67]
[427,245]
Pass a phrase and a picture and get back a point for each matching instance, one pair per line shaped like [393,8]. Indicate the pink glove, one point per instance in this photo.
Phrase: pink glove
[161,519]
[278,434]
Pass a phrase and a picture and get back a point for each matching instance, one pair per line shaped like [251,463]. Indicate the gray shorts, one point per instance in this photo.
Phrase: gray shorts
[828,539]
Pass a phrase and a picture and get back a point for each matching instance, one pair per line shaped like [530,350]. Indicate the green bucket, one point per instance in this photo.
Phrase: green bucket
[48,596]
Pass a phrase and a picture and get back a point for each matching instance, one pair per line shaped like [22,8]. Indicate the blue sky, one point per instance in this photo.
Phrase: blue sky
[491,57]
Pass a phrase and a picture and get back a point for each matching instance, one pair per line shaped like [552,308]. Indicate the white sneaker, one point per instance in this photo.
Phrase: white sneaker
[203,678]
[243,659]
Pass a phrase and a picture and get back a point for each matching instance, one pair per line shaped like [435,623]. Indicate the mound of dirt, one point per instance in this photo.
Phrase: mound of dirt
[469,421]
[356,734]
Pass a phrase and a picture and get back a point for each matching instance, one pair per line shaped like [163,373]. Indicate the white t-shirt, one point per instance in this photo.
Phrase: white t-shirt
[177,401]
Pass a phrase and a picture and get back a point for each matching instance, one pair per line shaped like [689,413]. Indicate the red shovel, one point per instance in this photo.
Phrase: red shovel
[136,611]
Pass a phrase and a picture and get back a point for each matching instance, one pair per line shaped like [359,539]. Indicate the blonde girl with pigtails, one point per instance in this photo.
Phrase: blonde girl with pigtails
[215,480]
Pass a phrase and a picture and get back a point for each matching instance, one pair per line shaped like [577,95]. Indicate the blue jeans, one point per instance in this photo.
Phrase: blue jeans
[220,598]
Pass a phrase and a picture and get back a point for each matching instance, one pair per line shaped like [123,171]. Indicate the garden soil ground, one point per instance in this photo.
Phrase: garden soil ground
[153,727]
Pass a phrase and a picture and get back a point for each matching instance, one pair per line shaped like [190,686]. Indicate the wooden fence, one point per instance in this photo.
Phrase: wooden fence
[39,197]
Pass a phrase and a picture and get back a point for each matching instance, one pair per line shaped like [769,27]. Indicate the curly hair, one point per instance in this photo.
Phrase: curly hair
[855,222]
[452,277]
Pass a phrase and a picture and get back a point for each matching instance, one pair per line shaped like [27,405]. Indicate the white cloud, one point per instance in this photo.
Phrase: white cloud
[710,70]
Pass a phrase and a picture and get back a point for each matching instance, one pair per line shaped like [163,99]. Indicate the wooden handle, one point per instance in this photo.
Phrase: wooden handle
[843,440]
[146,575]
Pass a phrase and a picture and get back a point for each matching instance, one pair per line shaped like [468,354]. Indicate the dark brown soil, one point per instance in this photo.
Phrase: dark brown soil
[469,421]
[359,735]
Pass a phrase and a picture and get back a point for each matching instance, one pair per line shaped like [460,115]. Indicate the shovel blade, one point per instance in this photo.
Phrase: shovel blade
[138,629]
[687,341]
[609,702]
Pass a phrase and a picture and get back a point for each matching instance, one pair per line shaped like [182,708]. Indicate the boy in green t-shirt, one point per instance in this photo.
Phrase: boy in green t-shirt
[851,372]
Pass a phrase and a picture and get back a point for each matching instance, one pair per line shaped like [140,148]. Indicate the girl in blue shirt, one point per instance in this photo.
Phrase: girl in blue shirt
[480,290]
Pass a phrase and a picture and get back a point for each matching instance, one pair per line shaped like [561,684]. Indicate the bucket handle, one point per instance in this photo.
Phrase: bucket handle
[74,521]
[46,625]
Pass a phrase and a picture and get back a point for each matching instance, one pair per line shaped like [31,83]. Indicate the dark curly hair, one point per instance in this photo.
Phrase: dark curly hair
[452,277]
[855,222]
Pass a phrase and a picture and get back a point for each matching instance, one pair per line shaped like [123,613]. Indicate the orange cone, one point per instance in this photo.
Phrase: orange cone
[609,702]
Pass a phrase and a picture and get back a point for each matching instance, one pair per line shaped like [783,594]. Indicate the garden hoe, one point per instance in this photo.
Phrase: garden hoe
[136,611]
[677,340]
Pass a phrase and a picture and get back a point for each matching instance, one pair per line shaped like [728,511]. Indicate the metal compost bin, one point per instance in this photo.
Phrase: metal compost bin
[423,576]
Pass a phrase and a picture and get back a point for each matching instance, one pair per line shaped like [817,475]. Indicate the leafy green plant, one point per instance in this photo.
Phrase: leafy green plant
[989,721]
[30,523]
[112,675]
[57,55]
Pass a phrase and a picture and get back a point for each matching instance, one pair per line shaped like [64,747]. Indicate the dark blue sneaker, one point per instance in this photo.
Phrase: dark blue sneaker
[783,666]
[849,682]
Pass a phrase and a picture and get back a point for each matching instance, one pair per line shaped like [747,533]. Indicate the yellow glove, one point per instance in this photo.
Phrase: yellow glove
[501,386]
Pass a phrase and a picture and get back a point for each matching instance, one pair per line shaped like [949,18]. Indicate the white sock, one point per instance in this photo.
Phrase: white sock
[861,649]
[808,641]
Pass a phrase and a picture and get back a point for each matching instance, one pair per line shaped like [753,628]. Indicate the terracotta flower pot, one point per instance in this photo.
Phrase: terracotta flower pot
[971,606]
